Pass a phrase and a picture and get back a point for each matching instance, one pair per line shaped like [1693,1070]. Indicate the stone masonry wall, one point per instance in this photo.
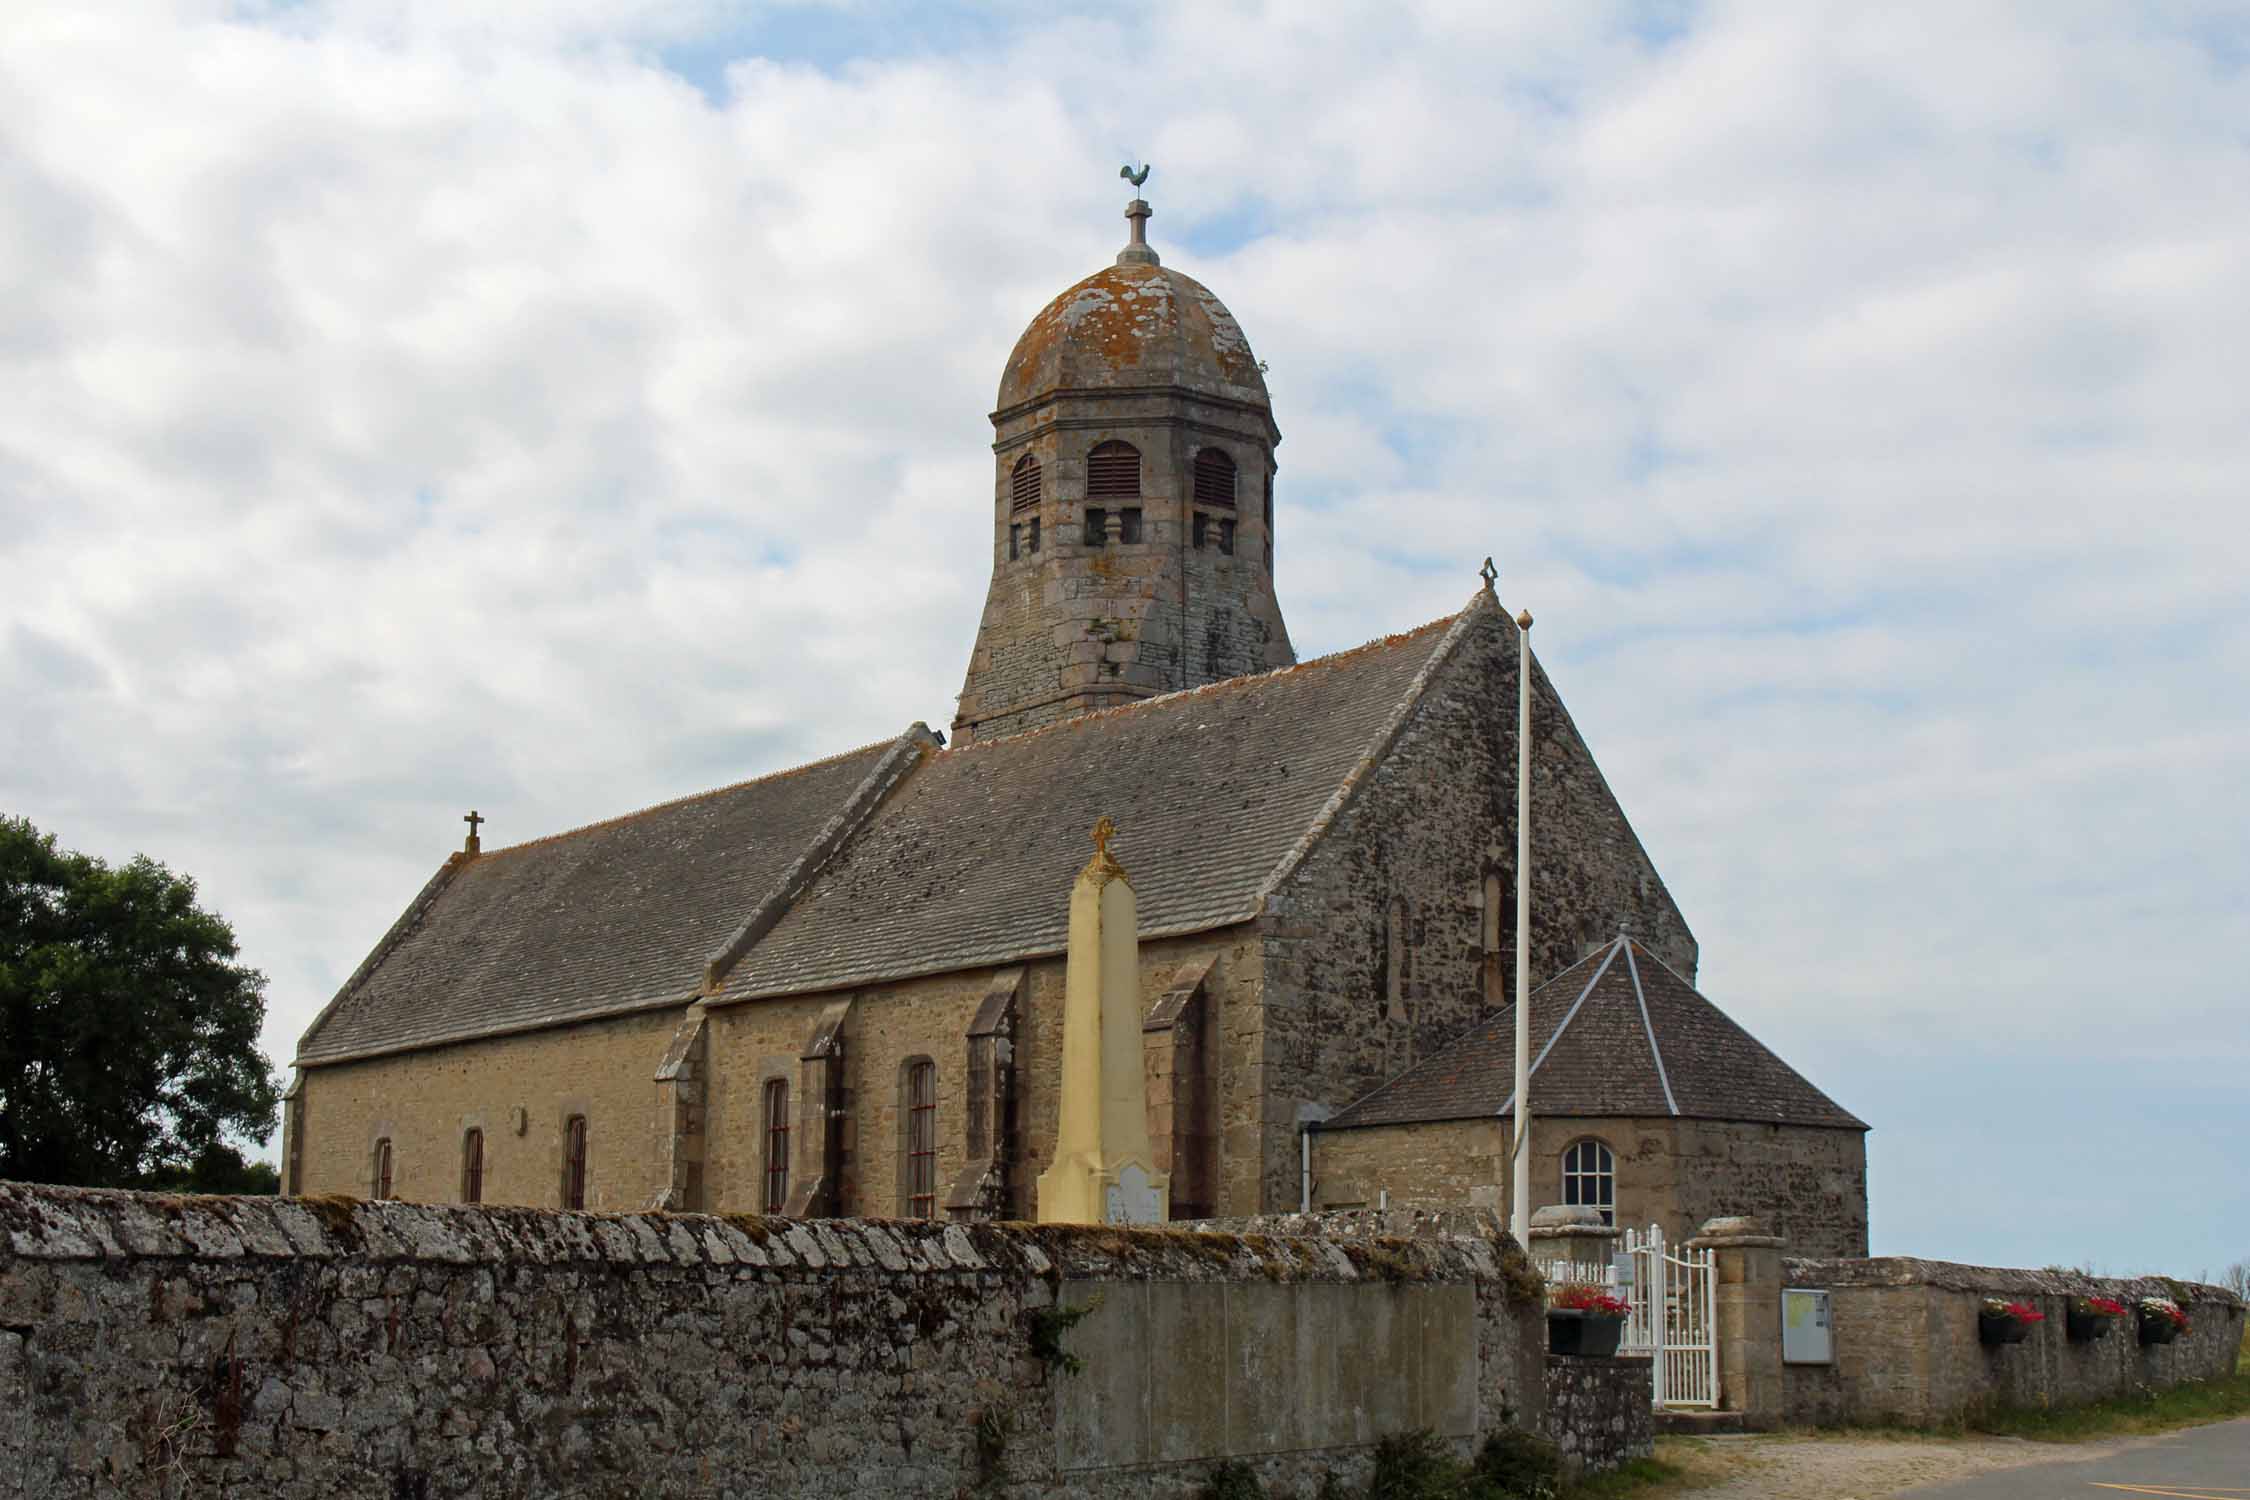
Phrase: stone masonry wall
[426,1101]
[1810,1184]
[1907,1351]
[1600,1411]
[332,1349]
[1406,866]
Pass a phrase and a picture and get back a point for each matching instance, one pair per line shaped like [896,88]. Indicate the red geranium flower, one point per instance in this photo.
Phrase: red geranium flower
[1579,1297]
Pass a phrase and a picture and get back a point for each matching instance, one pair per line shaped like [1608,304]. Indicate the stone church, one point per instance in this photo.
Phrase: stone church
[837,989]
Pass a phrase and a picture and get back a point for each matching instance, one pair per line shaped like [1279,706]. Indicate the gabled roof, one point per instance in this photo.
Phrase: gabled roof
[1218,790]
[889,861]
[614,917]
[1615,1034]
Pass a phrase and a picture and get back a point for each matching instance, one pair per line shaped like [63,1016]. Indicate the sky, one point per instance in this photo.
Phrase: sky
[553,407]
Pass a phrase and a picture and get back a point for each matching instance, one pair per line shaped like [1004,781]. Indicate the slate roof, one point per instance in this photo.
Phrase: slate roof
[1616,1033]
[1219,788]
[829,877]
[610,918]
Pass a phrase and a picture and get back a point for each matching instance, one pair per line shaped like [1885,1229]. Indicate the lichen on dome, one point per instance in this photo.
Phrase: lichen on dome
[1133,325]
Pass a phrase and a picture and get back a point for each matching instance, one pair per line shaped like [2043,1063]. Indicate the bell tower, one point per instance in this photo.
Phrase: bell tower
[1133,518]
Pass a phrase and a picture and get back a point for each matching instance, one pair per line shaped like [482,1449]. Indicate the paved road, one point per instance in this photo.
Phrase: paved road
[2201,1463]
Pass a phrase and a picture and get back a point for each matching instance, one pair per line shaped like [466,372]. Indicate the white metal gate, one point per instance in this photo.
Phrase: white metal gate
[1674,1317]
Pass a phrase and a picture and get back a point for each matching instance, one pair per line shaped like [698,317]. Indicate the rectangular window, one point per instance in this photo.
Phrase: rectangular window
[383,1167]
[1202,526]
[1015,542]
[1035,533]
[574,1162]
[1226,537]
[1097,526]
[472,1167]
[921,1141]
[777,1145]
[1129,524]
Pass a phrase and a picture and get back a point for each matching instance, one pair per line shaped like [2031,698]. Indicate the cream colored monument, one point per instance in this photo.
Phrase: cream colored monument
[1103,1172]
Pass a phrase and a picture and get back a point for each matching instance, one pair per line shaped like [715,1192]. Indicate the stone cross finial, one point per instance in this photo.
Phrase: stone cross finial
[1104,831]
[475,820]
[1489,574]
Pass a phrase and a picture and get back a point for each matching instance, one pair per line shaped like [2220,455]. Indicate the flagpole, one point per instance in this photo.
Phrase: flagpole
[1519,1169]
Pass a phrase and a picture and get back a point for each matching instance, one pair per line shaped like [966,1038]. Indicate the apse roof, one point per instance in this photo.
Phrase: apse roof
[1615,1034]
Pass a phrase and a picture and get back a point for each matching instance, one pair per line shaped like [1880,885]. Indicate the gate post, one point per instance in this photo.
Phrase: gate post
[1746,1267]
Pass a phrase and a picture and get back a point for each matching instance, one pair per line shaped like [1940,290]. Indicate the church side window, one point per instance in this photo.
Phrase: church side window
[777,1144]
[1097,526]
[921,1140]
[1129,524]
[1023,484]
[574,1162]
[472,1166]
[1589,1178]
[1214,478]
[382,1183]
[1113,472]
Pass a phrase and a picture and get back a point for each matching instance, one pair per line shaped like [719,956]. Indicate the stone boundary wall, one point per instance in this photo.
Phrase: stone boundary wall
[327,1349]
[1599,1411]
[1907,1350]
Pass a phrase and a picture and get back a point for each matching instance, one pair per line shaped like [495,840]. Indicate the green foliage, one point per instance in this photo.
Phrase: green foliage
[1232,1480]
[128,1030]
[991,1437]
[1512,1465]
[1049,1324]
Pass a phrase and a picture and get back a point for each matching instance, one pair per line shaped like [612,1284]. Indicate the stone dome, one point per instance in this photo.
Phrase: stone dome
[1134,324]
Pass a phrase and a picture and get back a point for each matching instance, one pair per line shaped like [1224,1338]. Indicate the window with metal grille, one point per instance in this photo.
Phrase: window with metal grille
[777,1144]
[1113,472]
[921,1141]
[1214,478]
[472,1166]
[1129,524]
[383,1168]
[574,1162]
[1097,526]
[1023,484]
[1589,1178]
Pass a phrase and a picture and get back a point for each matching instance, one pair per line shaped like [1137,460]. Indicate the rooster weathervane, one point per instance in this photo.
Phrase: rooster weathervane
[1134,175]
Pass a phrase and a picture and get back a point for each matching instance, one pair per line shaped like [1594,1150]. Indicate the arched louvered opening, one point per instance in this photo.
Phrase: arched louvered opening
[1023,485]
[1113,472]
[1214,478]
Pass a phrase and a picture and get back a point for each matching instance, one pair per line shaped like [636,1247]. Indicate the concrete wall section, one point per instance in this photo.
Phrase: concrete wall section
[1907,1349]
[318,1349]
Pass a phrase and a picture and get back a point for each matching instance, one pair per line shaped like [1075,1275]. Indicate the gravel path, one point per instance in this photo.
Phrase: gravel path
[1785,1467]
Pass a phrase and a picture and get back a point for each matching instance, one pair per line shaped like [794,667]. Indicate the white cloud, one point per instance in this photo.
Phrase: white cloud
[404,407]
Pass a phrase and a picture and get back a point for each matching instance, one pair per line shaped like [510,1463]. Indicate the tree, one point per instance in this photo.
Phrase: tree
[128,1029]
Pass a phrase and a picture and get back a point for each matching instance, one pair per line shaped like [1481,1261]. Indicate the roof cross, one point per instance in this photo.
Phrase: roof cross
[475,820]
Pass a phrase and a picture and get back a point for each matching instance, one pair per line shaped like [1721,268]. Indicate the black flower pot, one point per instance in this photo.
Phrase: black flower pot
[1999,1328]
[2158,1330]
[1586,1335]
[2085,1328]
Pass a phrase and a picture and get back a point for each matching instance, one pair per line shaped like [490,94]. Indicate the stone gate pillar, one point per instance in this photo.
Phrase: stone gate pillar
[1746,1266]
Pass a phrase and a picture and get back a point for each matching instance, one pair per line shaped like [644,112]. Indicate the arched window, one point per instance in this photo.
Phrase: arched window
[1023,484]
[1589,1178]
[1214,478]
[1113,472]
[472,1166]
[574,1162]
[382,1182]
[921,1139]
[777,1145]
